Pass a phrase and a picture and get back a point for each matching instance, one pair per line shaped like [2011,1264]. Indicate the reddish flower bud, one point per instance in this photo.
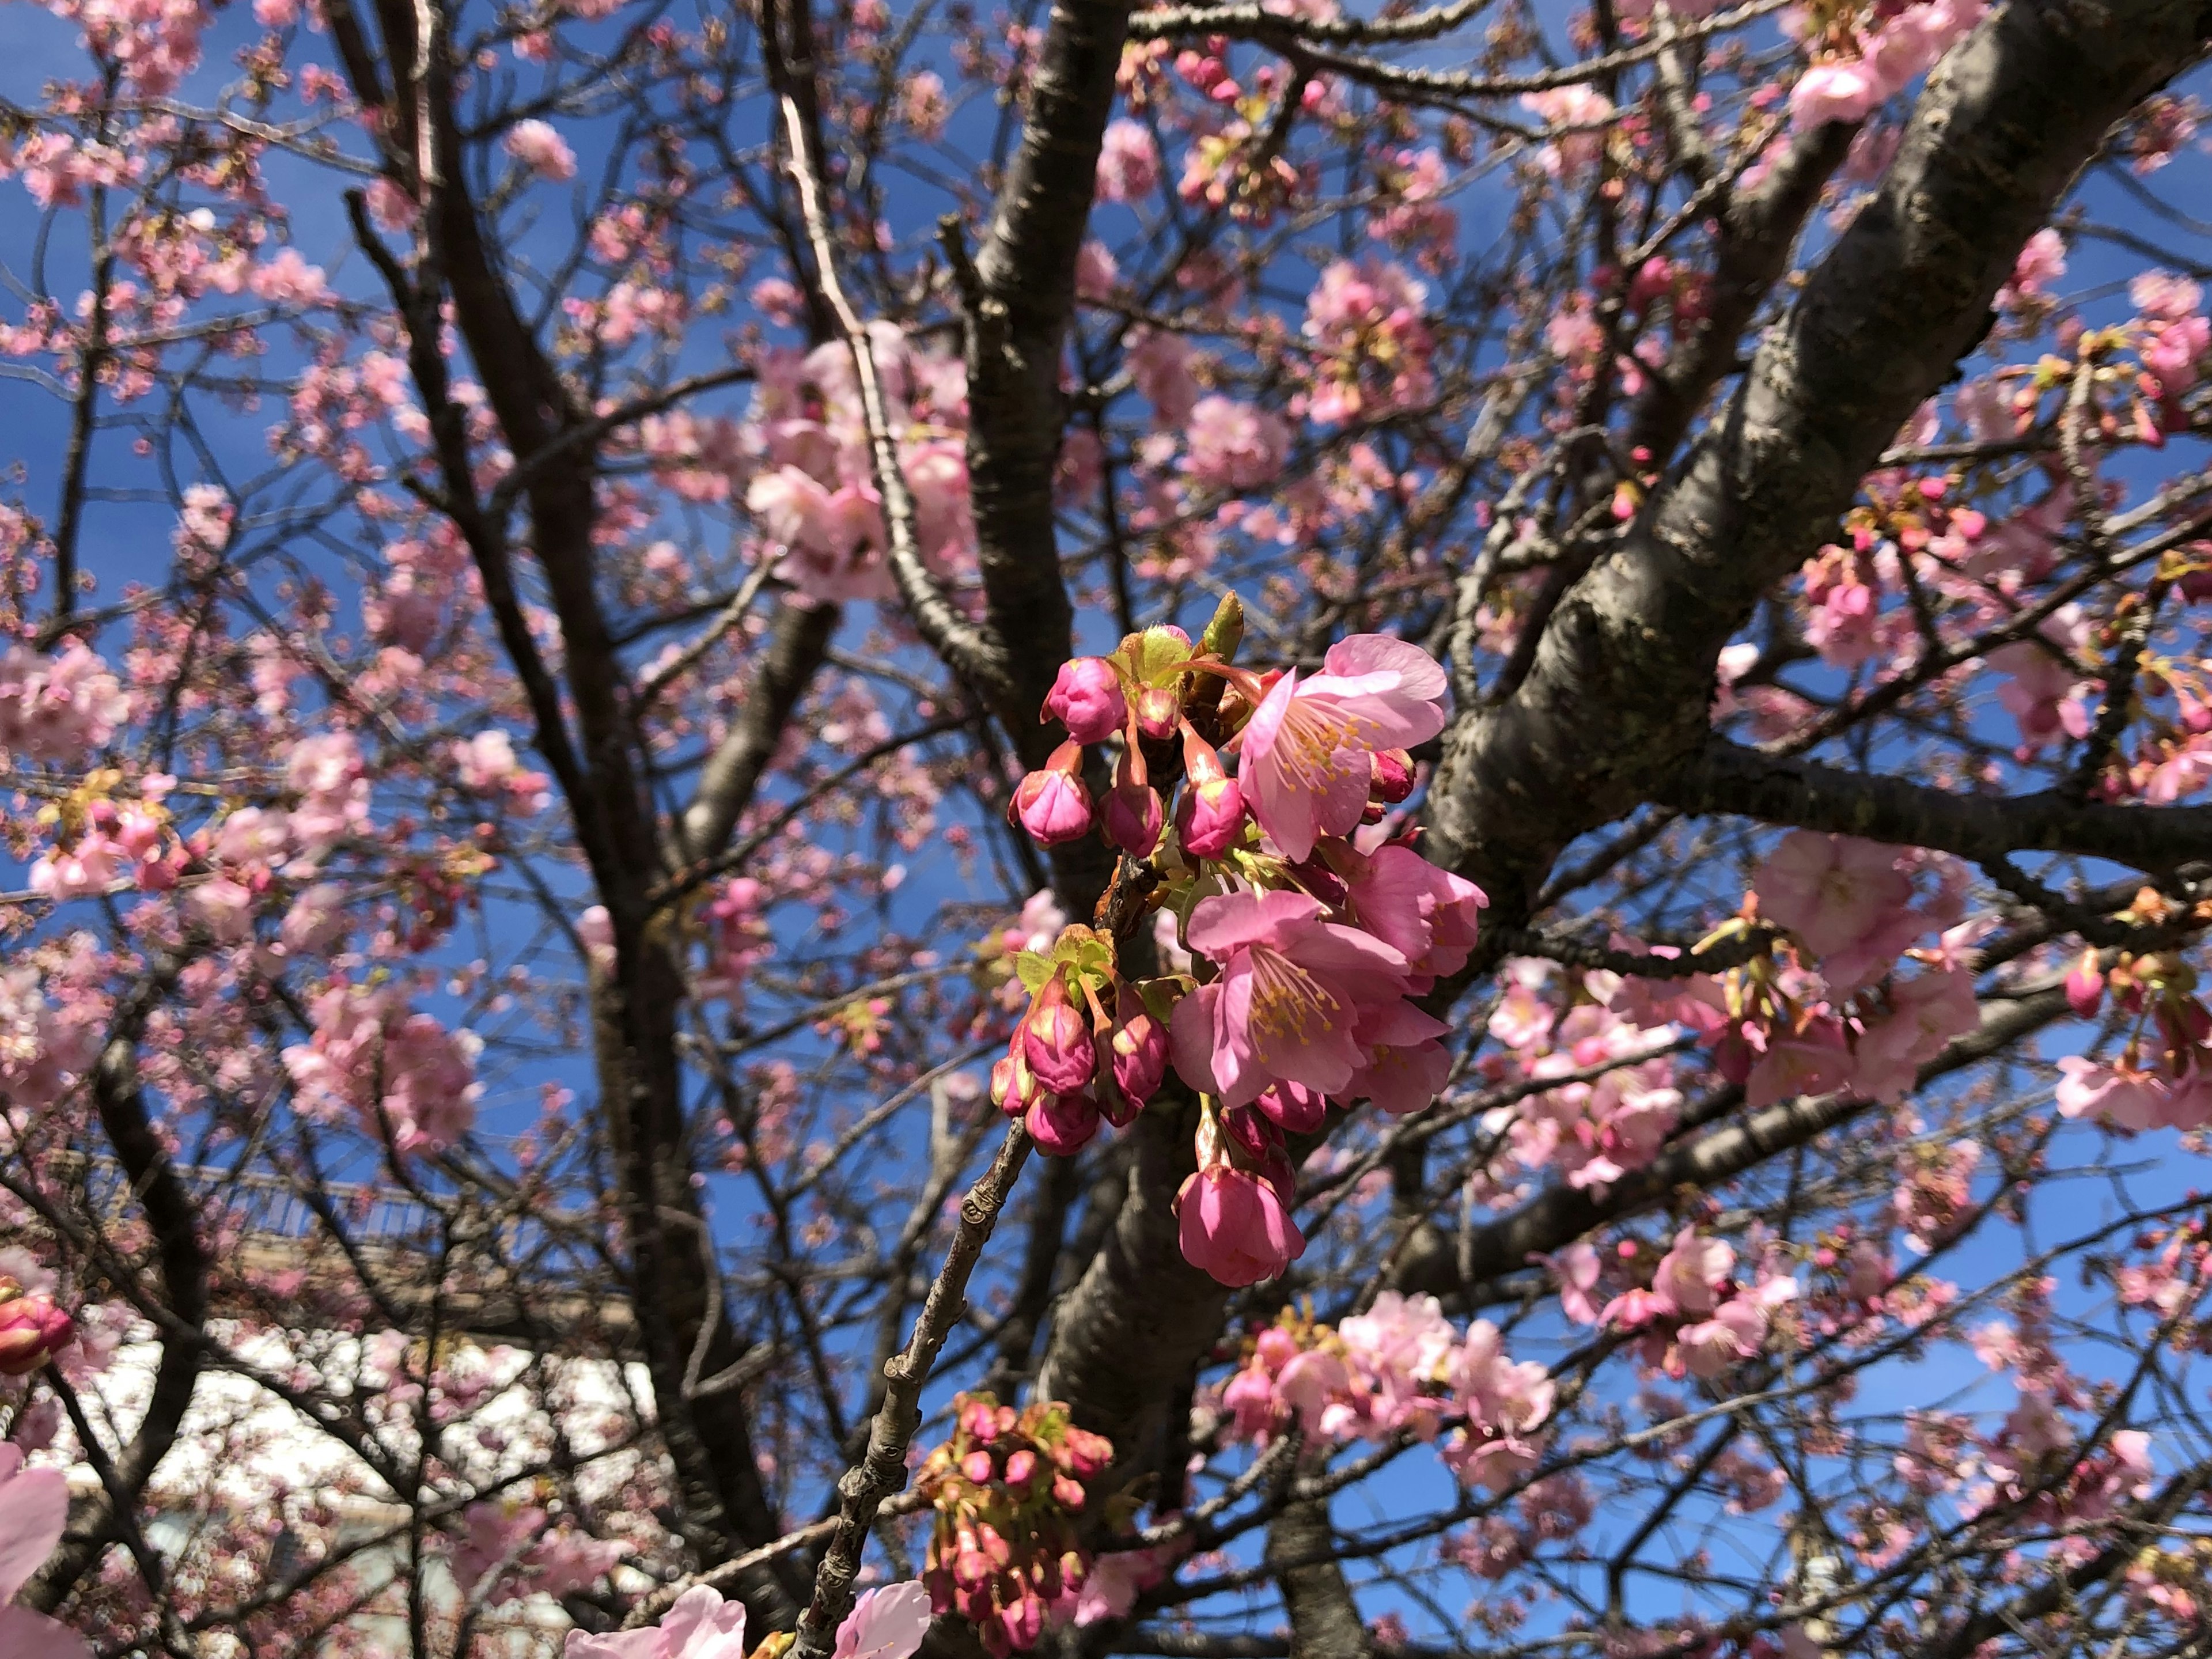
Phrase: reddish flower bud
[1021,1467]
[1237,1226]
[1056,1040]
[1132,819]
[1253,1133]
[1139,1047]
[1067,1492]
[1063,1125]
[1013,1086]
[1053,805]
[1210,817]
[1086,698]
[1394,774]
[2085,986]
[1085,1453]
[1023,1623]
[32,1328]
[978,1467]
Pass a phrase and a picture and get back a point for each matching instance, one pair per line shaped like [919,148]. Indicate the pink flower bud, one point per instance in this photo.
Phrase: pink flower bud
[1021,1467]
[1394,774]
[1067,1492]
[1236,1226]
[1133,816]
[1254,1135]
[2085,986]
[1023,1622]
[1210,817]
[978,1467]
[1083,1453]
[1086,698]
[1054,807]
[1056,1040]
[1063,1125]
[1139,1048]
[1159,712]
[1293,1107]
[32,1328]
[1013,1086]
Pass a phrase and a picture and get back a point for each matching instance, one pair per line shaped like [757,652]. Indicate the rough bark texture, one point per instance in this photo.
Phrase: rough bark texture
[1325,1622]
[1616,699]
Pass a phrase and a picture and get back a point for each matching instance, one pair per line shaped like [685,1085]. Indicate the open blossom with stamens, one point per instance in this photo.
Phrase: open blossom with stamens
[1306,768]
[1287,1006]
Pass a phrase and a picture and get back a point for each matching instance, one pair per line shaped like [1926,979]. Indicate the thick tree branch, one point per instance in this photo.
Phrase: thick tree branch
[1725,777]
[1616,700]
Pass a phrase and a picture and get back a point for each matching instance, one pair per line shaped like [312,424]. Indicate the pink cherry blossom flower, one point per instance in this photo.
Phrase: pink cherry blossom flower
[543,150]
[1844,89]
[888,1622]
[1287,1003]
[1306,766]
[1579,106]
[1575,1271]
[1811,1061]
[1693,1271]
[1128,162]
[1735,1332]
[1427,915]
[1831,891]
[34,1509]
[2120,1097]
[700,1626]
[1234,446]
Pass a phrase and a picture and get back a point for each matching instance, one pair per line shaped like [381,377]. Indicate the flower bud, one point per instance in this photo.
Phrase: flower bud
[1394,774]
[1210,819]
[1139,1046]
[1063,1125]
[2085,986]
[1086,698]
[1292,1108]
[1013,1086]
[978,1467]
[32,1328]
[1250,1133]
[1132,819]
[1053,805]
[1159,711]
[1056,1040]
[1023,1623]
[1021,1467]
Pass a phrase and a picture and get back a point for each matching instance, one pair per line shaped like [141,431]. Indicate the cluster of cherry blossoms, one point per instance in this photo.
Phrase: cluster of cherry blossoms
[1401,1367]
[1865,61]
[2162,1078]
[802,457]
[514,1546]
[1007,1488]
[888,1622]
[1311,928]
[399,1073]
[1690,1310]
